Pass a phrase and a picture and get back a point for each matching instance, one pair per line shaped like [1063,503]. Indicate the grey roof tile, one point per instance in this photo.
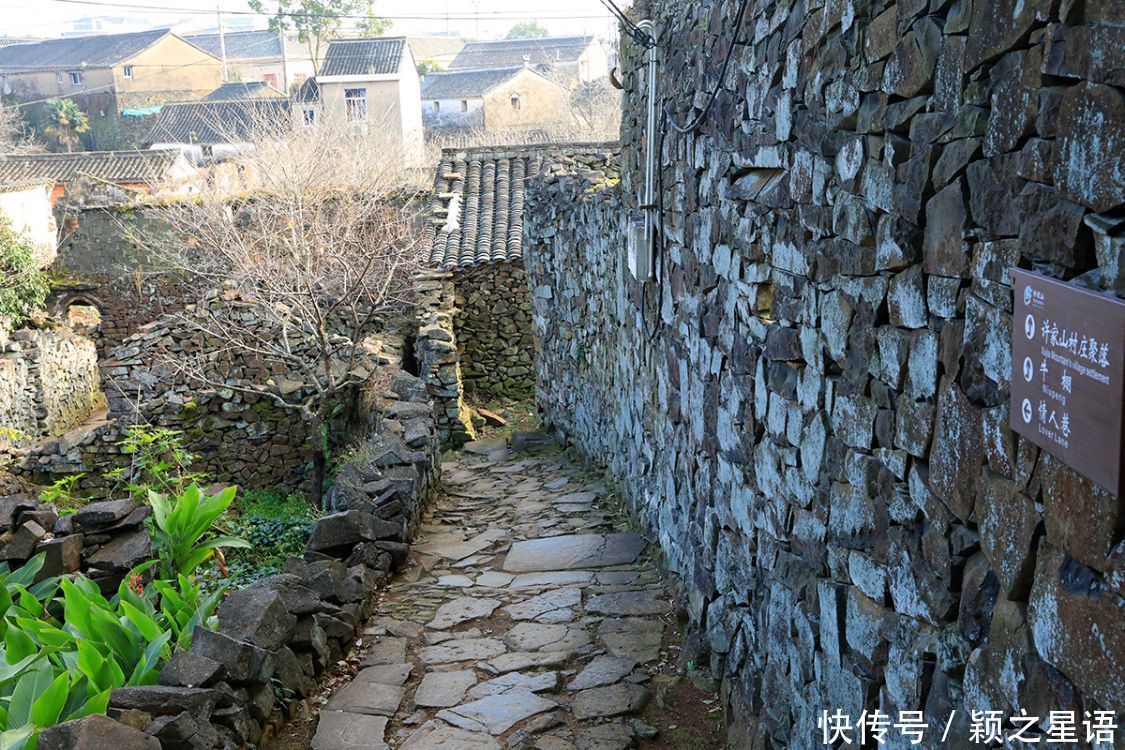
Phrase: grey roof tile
[466,84]
[211,122]
[350,57]
[245,45]
[92,51]
[111,166]
[476,212]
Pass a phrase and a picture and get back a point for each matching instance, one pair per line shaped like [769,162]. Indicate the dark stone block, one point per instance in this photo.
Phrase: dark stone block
[164,700]
[256,615]
[95,733]
[189,669]
[245,662]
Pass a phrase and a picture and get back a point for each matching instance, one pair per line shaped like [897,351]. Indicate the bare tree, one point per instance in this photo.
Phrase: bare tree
[15,137]
[312,264]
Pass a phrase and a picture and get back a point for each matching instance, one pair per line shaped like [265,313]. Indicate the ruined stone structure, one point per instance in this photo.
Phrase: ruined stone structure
[809,407]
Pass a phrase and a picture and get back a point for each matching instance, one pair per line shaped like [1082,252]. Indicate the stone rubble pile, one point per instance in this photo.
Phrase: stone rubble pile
[810,408]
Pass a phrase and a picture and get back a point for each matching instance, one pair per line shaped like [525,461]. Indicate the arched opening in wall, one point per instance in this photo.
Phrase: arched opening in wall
[410,354]
[80,310]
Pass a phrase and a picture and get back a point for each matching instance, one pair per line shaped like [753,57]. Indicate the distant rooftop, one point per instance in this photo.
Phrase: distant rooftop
[112,166]
[105,50]
[236,90]
[246,45]
[352,57]
[212,122]
[510,52]
[434,47]
[467,84]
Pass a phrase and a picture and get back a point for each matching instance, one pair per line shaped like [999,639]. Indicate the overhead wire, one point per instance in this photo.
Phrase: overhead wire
[698,119]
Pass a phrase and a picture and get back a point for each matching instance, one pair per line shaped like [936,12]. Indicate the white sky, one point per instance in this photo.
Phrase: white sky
[483,19]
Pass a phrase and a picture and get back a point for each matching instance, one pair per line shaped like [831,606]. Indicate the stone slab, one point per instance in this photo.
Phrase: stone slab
[497,714]
[573,551]
[443,689]
[337,730]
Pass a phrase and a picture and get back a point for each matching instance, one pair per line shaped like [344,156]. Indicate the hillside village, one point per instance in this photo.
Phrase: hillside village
[732,374]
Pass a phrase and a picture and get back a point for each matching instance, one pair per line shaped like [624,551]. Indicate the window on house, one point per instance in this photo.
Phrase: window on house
[271,79]
[128,71]
[355,103]
[515,100]
[75,79]
[464,105]
[437,106]
[58,78]
[310,117]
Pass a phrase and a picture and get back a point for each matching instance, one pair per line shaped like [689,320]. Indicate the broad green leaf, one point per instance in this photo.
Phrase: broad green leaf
[16,739]
[47,708]
[30,686]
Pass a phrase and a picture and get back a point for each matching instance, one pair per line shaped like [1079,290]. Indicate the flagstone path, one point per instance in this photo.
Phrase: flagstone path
[530,617]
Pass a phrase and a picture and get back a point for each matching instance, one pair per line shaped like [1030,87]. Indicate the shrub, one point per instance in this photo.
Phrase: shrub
[181,529]
[23,284]
[277,526]
[160,462]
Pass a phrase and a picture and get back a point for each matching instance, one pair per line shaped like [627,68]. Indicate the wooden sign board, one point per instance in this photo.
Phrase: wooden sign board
[1068,373]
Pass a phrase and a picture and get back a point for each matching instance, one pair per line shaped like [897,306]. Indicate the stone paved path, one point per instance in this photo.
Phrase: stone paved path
[529,618]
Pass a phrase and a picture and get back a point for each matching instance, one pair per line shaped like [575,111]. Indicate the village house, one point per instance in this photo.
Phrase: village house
[279,60]
[217,129]
[239,90]
[371,87]
[103,177]
[493,99]
[567,59]
[105,74]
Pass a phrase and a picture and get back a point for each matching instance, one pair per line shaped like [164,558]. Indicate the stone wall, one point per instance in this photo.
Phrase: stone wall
[438,356]
[492,327]
[49,383]
[104,267]
[809,409]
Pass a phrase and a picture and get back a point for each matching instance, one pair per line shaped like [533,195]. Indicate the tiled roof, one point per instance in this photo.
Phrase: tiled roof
[245,45]
[208,123]
[92,51]
[511,52]
[476,213]
[462,84]
[358,57]
[308,91]
[236,90]
[111,166]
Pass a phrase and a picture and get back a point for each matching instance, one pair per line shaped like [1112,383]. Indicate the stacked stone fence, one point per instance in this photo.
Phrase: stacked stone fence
[492,328]
[438,356]
[49,384]
[275,637]
[809,408]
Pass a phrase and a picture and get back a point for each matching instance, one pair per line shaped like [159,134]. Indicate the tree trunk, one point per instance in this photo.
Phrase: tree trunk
[319,461]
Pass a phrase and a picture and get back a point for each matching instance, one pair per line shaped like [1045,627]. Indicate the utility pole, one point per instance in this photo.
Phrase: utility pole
[222,40]
[284,63]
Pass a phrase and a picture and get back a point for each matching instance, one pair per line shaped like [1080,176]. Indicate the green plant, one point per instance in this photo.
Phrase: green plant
[184,605]
[65,122]
[23,284]
[180,525]
[62,492]
[160,462]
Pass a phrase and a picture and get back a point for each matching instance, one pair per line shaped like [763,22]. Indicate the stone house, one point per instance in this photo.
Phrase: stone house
[474,333]
[566,59]
[106,74]
[492,99]
[370,87]
[26,207]
[104,177]
[279,60]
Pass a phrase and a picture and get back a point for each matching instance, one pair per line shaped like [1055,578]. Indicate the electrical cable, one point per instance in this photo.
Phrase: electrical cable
[632,29]
[698,120]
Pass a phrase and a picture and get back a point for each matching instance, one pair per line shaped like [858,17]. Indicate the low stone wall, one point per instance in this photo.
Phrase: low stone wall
[275,637]
[492,327]
[437,355]
[49,383]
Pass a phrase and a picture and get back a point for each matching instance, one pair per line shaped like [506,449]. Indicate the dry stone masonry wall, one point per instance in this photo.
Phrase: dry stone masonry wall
[809,410]
[492,326]
[49,383]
